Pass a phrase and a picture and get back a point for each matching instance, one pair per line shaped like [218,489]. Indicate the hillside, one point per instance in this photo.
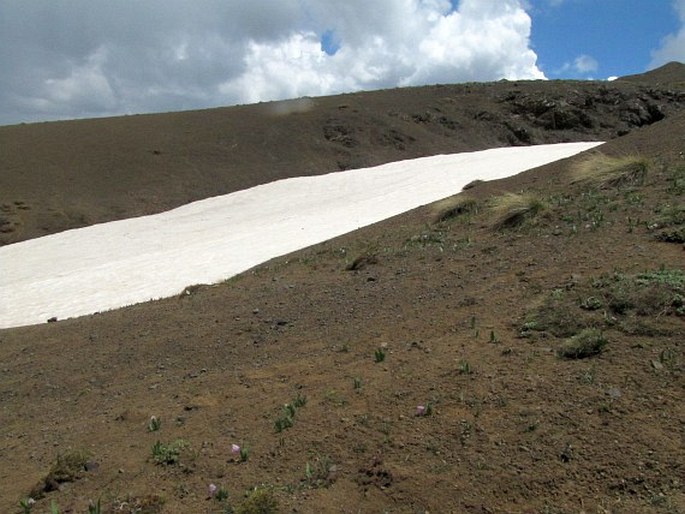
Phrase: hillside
[61,175]
[317,362]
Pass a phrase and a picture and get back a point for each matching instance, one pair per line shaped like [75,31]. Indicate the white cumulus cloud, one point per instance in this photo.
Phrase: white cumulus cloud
[585,64]
[96,57]
[673,46]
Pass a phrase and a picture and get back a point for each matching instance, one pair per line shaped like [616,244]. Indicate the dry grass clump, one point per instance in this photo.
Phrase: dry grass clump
[453,207]
[512,209]
[603,171]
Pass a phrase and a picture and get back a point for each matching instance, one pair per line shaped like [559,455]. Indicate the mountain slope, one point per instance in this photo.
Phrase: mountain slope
[460,315]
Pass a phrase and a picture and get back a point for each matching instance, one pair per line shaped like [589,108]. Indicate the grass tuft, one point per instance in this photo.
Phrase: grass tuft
[603,171]
[512,209]
[453,207]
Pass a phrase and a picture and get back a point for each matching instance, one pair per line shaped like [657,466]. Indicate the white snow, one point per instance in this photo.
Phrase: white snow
[119,263]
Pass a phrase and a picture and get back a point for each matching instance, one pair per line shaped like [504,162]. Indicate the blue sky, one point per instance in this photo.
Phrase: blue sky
[619,35]
[93,58]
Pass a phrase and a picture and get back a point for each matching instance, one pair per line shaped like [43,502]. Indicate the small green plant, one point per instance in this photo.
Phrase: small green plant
[493,337]
[591,303]
[154,424]
[464,367]
[290,409]
[283,422]
[221,494]
[379,355]
[287,417]
[588,376]
[26,505]
[300,401]
[357,383]
[587,343]
[54,508]
[168,454]
[94,508]
[319,473]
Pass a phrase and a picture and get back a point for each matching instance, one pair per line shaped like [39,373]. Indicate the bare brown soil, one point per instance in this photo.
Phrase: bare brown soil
[467,320]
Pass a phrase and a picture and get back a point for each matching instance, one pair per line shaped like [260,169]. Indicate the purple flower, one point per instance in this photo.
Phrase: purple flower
[420,410]
[235,449]
[211,490]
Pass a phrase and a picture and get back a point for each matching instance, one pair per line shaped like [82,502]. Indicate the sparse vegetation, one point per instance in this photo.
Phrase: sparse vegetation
[146,504]
[287,417]
[669,225]
[223,364]
[602,171]
[464,367]
[379,355]
[68,467]
[656,292]
[258,501]
[168,453]
[319,473]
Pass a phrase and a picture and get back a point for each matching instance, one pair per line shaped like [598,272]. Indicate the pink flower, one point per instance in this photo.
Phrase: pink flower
[211,490]
[420,410]
[235,449]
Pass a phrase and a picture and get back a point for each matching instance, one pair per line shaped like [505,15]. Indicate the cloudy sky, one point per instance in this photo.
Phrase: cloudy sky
[91,58]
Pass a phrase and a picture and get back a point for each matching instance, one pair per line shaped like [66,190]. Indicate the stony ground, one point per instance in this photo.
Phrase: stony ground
[458,358]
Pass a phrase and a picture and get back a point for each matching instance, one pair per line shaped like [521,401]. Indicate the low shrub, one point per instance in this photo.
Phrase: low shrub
[587,343]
